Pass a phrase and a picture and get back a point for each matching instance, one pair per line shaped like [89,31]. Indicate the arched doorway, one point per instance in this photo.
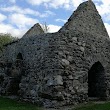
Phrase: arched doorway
[19,60]
[16,71]
[19,56]
[96,81]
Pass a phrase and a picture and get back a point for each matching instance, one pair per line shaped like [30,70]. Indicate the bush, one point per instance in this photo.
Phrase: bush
[5,39]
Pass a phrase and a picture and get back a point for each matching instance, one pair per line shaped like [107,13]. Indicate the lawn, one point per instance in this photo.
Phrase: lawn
[8,104]
[94,106]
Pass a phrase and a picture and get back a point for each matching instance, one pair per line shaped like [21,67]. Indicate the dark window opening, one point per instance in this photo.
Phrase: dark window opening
[19,56]
[19,60]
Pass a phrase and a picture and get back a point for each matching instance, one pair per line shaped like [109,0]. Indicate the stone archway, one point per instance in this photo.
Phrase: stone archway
[19,56]
[96,81]
[16,71]
[19,60]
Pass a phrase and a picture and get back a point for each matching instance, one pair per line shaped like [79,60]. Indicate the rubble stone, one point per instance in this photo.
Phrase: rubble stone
[62,68]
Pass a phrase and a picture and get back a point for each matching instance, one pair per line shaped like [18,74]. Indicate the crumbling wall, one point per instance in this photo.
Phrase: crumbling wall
[54,67]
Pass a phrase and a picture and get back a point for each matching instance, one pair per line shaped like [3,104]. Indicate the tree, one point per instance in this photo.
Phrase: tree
[5,39]
[45,27]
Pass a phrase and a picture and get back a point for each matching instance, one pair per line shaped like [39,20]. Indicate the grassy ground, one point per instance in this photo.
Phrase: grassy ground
[94,106]
[8,104]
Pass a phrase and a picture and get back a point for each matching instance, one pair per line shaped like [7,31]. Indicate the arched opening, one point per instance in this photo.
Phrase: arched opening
[19,60]
[19,56]
[16,72]
[96,81]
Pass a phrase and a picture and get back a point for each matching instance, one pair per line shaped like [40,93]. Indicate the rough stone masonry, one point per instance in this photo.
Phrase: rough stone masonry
[62,68]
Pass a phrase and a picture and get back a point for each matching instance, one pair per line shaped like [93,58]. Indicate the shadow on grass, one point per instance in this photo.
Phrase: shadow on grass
[94,106]
[8,104]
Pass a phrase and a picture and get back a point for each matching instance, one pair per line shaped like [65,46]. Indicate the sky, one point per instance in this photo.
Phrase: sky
[18,16]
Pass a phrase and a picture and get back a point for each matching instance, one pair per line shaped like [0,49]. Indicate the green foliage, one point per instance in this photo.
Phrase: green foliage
[8,104]
[5,39]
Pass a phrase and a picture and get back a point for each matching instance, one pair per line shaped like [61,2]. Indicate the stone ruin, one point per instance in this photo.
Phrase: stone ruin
[62,68]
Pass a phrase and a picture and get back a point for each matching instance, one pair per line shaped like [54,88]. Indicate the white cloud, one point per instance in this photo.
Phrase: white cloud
[66,4]
[103,7]
[58,3]
[21,17]
[2,17]
[50,3]
[12,1]
[7,28]
[22,21]
[72,4]
[19,24]
[104,11]
[20,10]
[19,20]
[38,2]
[46,14]
[76,2]
[107,27]
[53,28]
[61,20]
[27,11]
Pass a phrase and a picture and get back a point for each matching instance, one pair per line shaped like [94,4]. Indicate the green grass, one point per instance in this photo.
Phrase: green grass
[93,106]
[8,104]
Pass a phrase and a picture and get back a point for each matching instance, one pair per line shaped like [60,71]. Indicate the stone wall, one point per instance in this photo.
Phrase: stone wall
[53,69]
[86,19]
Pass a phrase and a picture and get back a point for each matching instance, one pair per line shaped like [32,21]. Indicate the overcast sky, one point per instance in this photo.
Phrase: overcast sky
[17,16]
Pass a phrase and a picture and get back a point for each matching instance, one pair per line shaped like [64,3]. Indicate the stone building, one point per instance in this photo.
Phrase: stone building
[56,69]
